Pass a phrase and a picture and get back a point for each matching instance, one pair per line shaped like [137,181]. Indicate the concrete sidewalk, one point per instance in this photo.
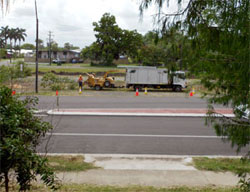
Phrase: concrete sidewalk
[141,112]
[171,178]
[147,170]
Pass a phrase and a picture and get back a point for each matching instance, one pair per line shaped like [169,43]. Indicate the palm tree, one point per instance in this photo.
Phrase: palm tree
[11,35]
[1,43]
[5,34]
[21,36]
[15,36]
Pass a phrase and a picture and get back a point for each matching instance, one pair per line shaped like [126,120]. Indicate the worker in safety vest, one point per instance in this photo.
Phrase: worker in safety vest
[80,81]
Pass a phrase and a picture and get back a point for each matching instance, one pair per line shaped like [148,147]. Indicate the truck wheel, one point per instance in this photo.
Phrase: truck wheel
[178,88]
[107,84]
[97,87]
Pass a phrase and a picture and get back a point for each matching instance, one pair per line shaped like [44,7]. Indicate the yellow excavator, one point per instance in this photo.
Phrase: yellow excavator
[99,83]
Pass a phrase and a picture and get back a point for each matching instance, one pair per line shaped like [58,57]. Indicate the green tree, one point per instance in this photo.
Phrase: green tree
[131,42]
[67,46]
[170,49]
[20,132]
[54,46]
[90,52]
[28,46]
[108,39]
[20,36]
[4,34]
[177,48]
[111,42]
[152,55]
[219,35]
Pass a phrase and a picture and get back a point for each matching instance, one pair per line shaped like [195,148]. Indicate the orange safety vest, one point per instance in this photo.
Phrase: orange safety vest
[80,79]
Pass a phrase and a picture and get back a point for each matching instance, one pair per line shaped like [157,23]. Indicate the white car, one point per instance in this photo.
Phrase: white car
[58,61]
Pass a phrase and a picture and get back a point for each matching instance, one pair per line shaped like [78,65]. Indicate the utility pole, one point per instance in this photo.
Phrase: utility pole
[50,42]
[36,48]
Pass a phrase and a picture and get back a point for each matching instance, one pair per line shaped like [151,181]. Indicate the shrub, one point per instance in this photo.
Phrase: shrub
[25,70]
[56,86]
[49,79]
[53,82]
[73,85]
[20,132]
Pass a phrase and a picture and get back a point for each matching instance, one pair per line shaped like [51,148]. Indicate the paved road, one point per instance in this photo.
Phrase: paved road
[122,100]
[134,135]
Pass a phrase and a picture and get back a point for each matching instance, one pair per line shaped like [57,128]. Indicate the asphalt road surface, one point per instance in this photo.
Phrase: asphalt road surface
[134,135]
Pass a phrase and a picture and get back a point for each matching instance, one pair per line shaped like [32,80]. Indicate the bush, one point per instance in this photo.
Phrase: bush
[3,53]
[20,132]
[53,82]
[4,74]
[57,86]
[10,73]
[25,70]
[48,80]
[73,85]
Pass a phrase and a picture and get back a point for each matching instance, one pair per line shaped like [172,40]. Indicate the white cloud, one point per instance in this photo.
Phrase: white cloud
[71,20]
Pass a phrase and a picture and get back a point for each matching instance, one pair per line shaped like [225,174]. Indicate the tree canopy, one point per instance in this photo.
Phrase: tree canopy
[219,36]
[16,34]
[28,46]
[111,41]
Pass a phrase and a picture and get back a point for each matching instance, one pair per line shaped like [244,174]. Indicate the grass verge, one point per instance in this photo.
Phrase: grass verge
[92,188]
[76,70]
[69,163]
[221,164]
[95,188]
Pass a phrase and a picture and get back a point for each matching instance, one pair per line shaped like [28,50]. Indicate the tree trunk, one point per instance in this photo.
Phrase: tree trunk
[6,181]
[15,49]
[10,50]
[19,48]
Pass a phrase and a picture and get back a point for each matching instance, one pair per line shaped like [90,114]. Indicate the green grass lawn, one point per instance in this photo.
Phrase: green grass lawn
[46,69]
[69,163]
[95,188]
[221,164]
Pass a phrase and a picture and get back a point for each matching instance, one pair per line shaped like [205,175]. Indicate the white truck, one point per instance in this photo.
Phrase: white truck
[140,77]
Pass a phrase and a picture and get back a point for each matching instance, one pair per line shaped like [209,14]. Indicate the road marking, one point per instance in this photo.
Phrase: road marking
[139,114]
[134,135]
[41,115]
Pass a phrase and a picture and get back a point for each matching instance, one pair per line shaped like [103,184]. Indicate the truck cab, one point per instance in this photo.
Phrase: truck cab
[179,81]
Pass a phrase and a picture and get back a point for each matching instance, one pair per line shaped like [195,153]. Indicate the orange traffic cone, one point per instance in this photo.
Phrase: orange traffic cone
[137,92]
